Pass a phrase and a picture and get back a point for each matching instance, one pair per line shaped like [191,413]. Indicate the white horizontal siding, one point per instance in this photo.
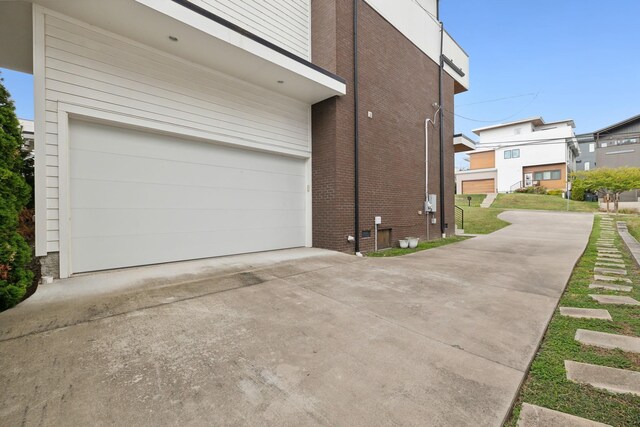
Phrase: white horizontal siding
[89,67]
[285,23]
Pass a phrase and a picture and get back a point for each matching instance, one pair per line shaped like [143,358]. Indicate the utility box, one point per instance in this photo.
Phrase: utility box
[431,203]
[378,220]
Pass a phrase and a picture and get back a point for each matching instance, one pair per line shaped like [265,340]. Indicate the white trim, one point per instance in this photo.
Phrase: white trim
[63,193]
[67,110]
[39,94]
[309,183]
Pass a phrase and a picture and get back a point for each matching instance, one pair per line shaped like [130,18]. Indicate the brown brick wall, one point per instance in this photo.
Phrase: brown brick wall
[398,84]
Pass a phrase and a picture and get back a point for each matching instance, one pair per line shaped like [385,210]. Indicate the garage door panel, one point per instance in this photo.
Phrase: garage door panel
[108,195]
[140,144]
[91,165]
[113,222]
[479,186]
[184,246]
[185,200]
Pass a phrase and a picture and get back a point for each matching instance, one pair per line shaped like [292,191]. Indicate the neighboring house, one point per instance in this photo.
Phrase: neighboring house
[27,134]
[522,153]
[170,130]
[614,146]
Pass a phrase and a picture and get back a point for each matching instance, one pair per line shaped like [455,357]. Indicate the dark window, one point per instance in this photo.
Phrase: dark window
[366,233]
[547,175]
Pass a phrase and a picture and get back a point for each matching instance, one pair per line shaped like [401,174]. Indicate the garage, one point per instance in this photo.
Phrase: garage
[479,186]
[138,197]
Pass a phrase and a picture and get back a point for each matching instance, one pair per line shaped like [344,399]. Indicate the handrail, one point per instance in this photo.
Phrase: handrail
[515,186]
[459,214]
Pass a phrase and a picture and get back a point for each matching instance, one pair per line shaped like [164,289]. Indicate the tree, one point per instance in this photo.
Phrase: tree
[15,253]
[608,183]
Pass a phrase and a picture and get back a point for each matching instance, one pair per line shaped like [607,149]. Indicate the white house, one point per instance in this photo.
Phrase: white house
[519,154]
[170,130]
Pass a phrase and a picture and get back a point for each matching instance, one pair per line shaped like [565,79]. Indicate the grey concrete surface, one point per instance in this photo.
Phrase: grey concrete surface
[437,337]
[585,313]
[610,271]
[611,278]
[537,416]
[619,261]
[614,299]
[629,240]
[620,288]
[602,377]
[606,340]
[609,264]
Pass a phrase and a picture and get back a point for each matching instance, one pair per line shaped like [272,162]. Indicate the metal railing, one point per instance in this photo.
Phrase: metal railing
[459,217]
[515,186]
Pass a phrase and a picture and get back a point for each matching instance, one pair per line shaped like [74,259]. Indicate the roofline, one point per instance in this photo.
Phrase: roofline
[615,125]
[540,122]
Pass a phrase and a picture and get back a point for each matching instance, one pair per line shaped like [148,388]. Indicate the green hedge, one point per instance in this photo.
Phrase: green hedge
[15,253]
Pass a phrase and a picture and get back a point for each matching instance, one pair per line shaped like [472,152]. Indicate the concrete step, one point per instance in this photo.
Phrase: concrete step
[611,379]
[619,288]
[614,299]
[610,271]
[605,340]
[537,416]
[608,255]
[486,203]
[585,313]
[602,278]
[616,260]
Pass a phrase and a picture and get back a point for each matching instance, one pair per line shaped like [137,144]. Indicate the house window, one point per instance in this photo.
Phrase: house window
[512,154]
[592,147]
[553,175]
[587,166]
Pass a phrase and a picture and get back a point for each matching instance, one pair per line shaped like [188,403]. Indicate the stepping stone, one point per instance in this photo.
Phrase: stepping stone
[603,278]
[614,299]
[605,340]
[609,264]
[537,416]
[609,250]
[602,377]
[610,271]
[611,279]
[605,245]
[585,313]
[619,288]
[609,255]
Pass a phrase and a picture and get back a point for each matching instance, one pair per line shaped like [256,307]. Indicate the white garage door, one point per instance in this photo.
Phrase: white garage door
[144,198]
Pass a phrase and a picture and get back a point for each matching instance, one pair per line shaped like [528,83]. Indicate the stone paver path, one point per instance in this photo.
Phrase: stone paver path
[605,340]
[610,278]
[602,377]
[610,271]
[537,416]
[585,313]
[609,264]
[620,288]
[614,299]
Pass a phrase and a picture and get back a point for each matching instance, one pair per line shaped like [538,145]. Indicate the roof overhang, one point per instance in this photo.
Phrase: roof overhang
[200,40]
[462,143]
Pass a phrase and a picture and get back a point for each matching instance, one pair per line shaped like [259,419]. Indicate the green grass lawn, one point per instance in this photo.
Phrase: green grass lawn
[546,384]
[476,199]
[421,247]
[542,202]
[482,220]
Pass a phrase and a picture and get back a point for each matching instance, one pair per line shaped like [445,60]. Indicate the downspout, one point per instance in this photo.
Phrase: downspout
[441,127]
[356,131]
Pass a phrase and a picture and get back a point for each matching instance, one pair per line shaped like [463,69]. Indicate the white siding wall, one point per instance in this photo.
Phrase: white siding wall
[285,23]
[92,68]
[510,170]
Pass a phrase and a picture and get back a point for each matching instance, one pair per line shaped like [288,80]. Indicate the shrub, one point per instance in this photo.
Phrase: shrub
[577,192]
[15,253]
[555,192]
[532,190]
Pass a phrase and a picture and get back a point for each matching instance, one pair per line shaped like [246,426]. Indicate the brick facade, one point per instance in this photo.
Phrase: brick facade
[398,85]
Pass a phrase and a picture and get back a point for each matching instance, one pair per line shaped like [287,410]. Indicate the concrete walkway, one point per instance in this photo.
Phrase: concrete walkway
[488,201]
[440,337]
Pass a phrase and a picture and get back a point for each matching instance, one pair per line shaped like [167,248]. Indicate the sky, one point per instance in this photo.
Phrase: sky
[561,59]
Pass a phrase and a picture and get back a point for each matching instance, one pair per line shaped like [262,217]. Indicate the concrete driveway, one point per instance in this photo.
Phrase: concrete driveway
[301,337]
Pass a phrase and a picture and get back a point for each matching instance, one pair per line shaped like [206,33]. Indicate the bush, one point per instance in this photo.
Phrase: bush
[555,192]
[577,193]
[627,211]
[532,190]
[15,253]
